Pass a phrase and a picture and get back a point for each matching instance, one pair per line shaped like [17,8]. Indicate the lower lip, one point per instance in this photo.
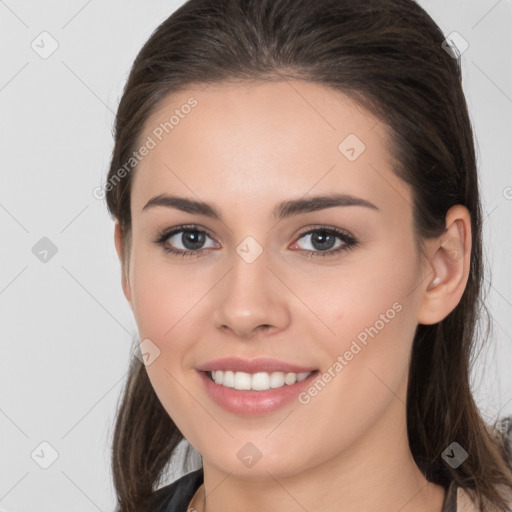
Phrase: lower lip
[253,403]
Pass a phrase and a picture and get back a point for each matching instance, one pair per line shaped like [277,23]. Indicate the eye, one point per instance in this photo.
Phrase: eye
[324,237]
[191,237]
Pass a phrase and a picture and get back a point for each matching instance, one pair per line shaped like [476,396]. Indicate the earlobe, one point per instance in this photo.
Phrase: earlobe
[118,240]
[450,262]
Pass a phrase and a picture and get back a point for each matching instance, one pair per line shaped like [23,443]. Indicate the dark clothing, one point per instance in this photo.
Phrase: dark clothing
[176,497]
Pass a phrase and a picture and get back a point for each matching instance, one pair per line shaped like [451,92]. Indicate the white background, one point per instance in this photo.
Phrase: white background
[66,329]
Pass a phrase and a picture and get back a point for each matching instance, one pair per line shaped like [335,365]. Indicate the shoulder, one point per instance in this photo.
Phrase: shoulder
[467,503]
[176,496]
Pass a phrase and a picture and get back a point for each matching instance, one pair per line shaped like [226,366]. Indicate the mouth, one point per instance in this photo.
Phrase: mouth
[254,394]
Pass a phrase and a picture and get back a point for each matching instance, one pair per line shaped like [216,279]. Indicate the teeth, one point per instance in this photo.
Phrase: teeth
[260,381]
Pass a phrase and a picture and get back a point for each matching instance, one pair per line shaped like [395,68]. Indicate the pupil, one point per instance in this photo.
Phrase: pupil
[320,237]
[192,239]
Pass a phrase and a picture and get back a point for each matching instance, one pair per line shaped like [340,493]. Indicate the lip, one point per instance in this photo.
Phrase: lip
[261,364]
[250,402]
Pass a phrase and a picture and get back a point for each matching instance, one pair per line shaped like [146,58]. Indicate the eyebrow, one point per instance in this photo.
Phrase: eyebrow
[281,211]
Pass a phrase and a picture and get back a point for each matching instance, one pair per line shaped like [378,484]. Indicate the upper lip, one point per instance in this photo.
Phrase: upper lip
[253,365]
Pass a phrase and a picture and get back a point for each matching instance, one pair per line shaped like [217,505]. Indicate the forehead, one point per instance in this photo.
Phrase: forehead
[262,142]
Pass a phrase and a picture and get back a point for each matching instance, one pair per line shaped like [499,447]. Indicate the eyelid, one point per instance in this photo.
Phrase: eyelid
[318,227]
[167,232]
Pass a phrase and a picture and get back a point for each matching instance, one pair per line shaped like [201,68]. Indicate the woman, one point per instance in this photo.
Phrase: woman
[299,225]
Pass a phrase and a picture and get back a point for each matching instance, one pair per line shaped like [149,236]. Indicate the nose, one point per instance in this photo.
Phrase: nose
[251,299]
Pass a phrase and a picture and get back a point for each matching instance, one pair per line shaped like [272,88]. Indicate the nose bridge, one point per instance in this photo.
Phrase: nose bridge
[250,295]
[249,275]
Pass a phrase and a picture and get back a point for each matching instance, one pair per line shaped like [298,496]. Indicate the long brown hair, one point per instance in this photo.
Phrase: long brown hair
[387,55]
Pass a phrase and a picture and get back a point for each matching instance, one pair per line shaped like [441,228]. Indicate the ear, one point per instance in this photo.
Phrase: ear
[450,257]
[118,240]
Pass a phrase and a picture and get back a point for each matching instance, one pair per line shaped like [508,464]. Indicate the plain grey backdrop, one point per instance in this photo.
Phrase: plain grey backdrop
[66,329]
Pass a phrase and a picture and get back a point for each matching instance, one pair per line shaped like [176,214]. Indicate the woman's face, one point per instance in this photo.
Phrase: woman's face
[259,286]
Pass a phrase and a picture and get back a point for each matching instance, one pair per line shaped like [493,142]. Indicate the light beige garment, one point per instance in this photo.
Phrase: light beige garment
[466,504]
[464,501]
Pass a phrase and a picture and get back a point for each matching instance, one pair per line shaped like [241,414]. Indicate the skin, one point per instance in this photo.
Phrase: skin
[245,148]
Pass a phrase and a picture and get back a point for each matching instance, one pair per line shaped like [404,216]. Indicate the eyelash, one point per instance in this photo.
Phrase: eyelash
[349,242]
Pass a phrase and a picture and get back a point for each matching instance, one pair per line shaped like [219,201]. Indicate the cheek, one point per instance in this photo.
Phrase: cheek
[375,326]
[365,372]
[165,294]
[166,302]
[367,289]
[371,311]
